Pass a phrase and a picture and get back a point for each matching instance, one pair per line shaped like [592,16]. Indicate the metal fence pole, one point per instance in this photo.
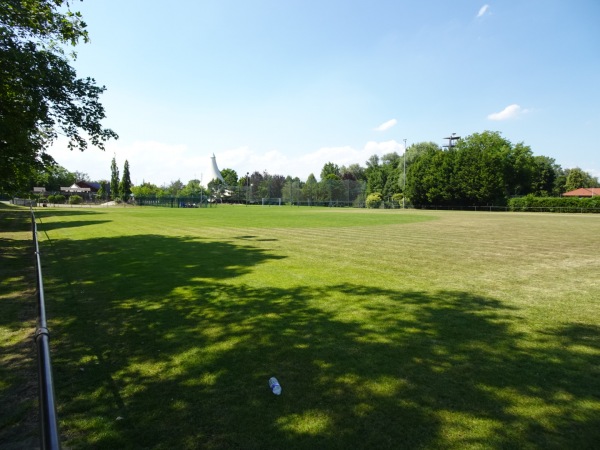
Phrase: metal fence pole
[49,436]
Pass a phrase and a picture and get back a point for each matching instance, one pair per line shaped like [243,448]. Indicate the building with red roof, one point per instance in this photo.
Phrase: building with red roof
[583,192]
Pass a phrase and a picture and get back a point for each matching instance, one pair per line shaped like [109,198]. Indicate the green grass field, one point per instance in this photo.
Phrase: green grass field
[386,329]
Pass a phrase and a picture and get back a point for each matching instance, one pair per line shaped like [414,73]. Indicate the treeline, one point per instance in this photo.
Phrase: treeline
[262,188]
[484,169]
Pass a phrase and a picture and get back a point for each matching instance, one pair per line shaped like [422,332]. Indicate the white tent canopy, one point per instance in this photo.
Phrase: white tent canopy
[215,173]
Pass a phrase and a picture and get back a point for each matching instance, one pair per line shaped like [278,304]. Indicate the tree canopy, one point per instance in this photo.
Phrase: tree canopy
[577,178]
[483,169]
[40,94]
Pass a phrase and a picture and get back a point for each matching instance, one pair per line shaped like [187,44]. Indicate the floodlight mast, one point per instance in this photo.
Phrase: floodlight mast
[451,140]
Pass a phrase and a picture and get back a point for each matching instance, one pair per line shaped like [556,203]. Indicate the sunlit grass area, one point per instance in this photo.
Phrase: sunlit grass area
[386,329]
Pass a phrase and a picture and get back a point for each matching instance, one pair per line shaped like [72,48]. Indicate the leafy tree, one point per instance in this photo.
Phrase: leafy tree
[479,170]
[291,189]
[330,169]
[53,177]
[375,180]
[193,188]
[430,178]
[382,174]
[254,181]
[489,169]
[104,190]
[560,181]
[263,188]
[390,169]
[331,188]
[373,161]
[256,178]
[145,190]
[230,176]
[482,169]
[277,183]
[353,172]
[310,189]
[81,176]
[40,94]
[519,170]
[411,154]
[374,175]
[578,178]
[544,175]
[270,186]
[114,179]
[174,188]
[125,185]
[391,159]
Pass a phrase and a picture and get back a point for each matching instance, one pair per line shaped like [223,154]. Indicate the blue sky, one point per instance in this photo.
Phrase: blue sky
[286,86]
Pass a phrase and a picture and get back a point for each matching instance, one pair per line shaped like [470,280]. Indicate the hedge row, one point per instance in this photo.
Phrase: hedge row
[555,204]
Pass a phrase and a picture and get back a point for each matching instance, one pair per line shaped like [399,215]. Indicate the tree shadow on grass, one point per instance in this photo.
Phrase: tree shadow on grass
[157,347]
[44,213]
[18,382]
[13,219]
[50,226]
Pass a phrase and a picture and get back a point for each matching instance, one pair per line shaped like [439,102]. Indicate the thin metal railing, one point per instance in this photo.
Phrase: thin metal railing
[49,436]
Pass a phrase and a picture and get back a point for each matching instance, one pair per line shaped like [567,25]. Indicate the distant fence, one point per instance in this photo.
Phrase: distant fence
[23,202]
[173,202]
[49,436]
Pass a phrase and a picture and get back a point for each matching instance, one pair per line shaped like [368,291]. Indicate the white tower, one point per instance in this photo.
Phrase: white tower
[215,173]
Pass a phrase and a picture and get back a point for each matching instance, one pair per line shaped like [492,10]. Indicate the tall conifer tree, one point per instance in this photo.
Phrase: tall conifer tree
[114,179]
[125,187]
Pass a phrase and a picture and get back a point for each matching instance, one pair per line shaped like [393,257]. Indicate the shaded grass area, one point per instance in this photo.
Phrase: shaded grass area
[170,324]
[18,376]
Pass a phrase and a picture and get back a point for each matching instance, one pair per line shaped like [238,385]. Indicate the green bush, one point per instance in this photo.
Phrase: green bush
[398,197]
[75,200]
[555,204]
[58,199]
[374,200]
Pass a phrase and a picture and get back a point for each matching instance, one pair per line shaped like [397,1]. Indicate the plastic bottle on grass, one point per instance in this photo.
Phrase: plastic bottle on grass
[274,385]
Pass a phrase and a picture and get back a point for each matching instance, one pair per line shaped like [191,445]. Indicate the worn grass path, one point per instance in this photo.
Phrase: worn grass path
[386,329]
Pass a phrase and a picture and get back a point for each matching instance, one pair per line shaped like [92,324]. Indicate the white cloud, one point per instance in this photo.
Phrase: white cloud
[156,162]
[342,156]
[382,148]
[386,125]
[510,112]
[483,10]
